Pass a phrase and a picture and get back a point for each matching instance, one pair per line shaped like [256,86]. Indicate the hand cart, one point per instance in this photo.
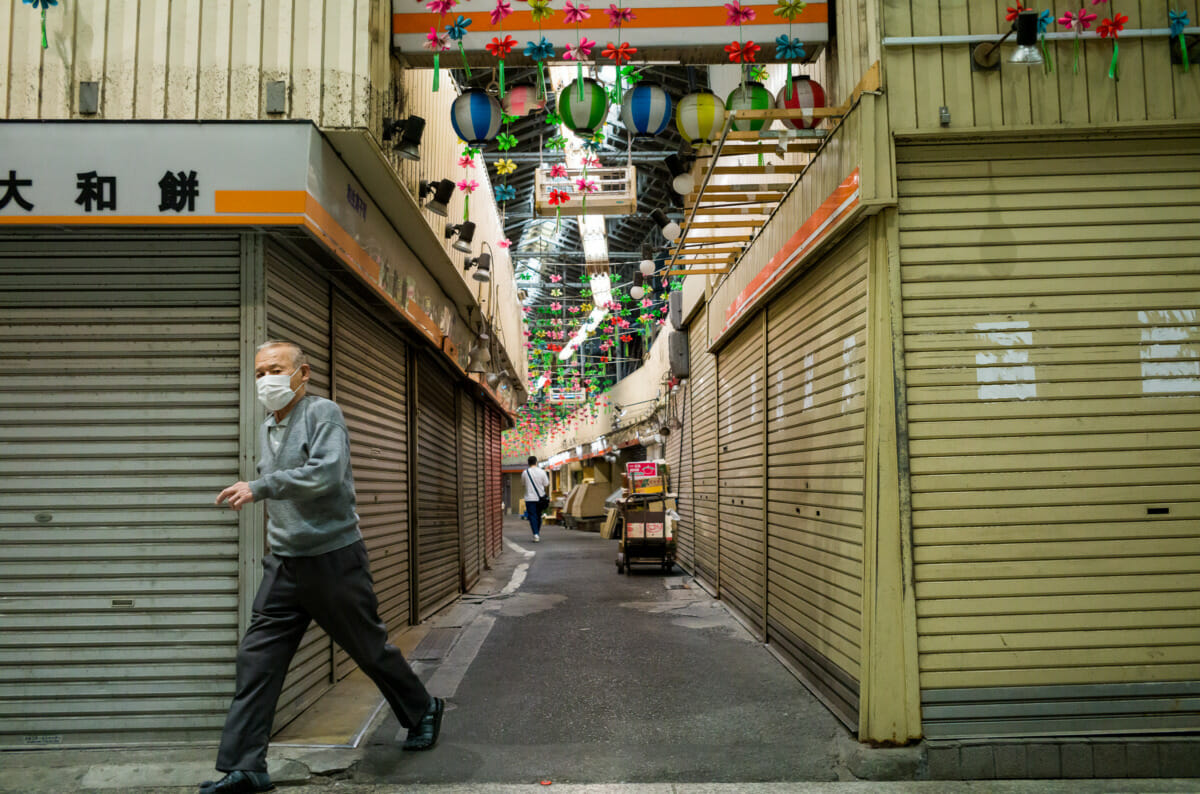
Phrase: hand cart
[646,535]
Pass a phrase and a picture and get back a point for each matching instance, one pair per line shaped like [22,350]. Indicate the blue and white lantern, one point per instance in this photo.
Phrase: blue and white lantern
[646,110]
[475,116]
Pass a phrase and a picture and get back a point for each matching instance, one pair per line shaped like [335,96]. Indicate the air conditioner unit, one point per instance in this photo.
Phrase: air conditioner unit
[615,193]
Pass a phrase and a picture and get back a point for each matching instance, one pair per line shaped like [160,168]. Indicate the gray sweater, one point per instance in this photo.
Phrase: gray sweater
[308,484]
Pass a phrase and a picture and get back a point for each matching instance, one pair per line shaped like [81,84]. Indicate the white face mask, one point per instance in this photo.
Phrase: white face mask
[275,391]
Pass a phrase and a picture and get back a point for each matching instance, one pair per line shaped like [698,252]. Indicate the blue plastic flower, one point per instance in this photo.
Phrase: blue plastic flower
[1045,20]
[789,49]
[42,4]
[539,50]
[1178,21]
[459,28]
[505,192]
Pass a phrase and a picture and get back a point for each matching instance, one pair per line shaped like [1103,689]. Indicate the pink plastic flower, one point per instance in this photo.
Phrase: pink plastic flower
[468,186]
[576,13]
[579,52]
[466,162]
[736,15]
[505,243]
[585,185]
[555,278]
[591,161]
[501,10]
[436,41]
[619,16]
[558,171]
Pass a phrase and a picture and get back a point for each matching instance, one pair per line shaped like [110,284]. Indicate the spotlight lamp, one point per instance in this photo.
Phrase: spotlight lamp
[407,133]
[669,228]
[986,57]
[482,265]
[637,291]
[682,181]
[466,234]
[441,190]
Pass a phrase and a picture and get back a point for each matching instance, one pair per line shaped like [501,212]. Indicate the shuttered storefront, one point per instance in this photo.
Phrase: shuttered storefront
[299,310]
[816,349]
[493,510]
[704,451]
[119,405]
[370,385]
[437,488]
[471,484]
[741,467]
[1051,324]
[679,458]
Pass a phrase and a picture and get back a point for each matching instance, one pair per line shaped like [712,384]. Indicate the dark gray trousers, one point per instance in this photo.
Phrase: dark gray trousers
[336,590]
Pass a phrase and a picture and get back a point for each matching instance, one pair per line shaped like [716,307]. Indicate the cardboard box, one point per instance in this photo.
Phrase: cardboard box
[588,500]
[609,530]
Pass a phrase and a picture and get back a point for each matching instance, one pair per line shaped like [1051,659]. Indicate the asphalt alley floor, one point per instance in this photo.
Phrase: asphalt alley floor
[583,675]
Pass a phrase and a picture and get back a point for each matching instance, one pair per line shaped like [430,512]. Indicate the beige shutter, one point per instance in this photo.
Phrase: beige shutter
[816,349]
[438,572]
[681,479]
[298,310]
[471,485]
[119,406]
[1051,293]
[741,464]
[370,386]
[492,500]
[704,451]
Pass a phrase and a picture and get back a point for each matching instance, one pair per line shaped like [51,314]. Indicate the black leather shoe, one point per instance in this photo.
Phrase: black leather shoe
[238,782]
[425,734]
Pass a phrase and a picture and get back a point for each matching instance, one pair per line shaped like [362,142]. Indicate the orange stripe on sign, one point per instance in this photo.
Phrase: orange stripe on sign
[259,200]
[680,16]
[149,220]
[843,199]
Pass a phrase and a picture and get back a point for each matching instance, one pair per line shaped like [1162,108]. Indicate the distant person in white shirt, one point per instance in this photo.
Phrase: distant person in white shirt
[537,496]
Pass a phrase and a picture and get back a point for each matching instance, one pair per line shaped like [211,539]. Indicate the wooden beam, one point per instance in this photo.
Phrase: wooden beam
[704,251]
[787,113]
[725,224]
[770,147]
[733,238]
[732,211]
[757,198]
[759,170]
[699,272]
[743,188]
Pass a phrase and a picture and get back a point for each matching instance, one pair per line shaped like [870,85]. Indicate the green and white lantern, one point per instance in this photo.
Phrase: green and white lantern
[583,106]
[751,96]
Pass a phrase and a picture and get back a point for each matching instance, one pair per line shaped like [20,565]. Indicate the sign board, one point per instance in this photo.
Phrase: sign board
[644,477]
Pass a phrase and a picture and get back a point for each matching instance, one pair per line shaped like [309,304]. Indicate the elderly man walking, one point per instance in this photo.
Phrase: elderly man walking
[317,569]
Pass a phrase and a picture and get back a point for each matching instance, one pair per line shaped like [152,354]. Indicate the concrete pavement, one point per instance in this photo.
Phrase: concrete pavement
[557,669]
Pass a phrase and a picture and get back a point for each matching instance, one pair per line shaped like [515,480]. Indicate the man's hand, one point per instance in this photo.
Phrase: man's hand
[237,495]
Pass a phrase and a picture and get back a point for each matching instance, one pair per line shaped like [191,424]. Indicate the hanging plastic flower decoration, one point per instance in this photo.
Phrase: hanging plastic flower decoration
[457,31]
[558,171]
[790,9]
[557,199]
[505,243]
[437,42]
[467,186]
[540,9]
[1178,20]
[505,166]
[576,13]
[502,10]
[619,53]
[591,161]
[1111,29]
[539,51]
[505,141]
[1045,20]
[557,143]
[43,5]
[585,186]
[441,7]
[501,47]
[618,16]
[742,53]
[1012,13]
[789,49]
[1078,23]
[505,192]
[735,14]
[581,51]
[466,161]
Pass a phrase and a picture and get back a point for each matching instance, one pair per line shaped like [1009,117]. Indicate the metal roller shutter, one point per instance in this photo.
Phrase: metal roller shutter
[679,457]
[494,519]
[816,349]
[370,385]
[1052,327]
[298,310]
[438,576]
[704,452]
[119,387]
[472,475]
[741,472]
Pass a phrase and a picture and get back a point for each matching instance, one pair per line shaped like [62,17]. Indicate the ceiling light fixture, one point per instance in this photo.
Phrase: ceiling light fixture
[637,291]
[407,133]
[682,181]
[466,234]
[669,228]
[442,190]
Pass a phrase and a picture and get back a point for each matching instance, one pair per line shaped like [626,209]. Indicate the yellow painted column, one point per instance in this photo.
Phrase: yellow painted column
[889,695]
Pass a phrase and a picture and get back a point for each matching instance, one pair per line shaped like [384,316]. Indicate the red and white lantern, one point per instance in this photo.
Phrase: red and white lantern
[806,94]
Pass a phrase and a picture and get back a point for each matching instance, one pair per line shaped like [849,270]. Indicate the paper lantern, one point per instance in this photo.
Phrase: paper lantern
[806,93]
[699,117]
[475,116]
[583,116]
[646,110]
[521,100]
[751,96]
